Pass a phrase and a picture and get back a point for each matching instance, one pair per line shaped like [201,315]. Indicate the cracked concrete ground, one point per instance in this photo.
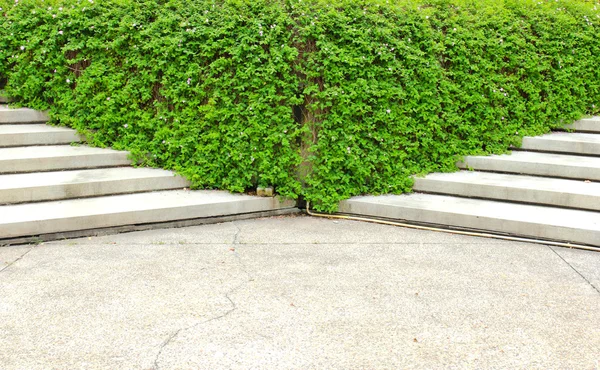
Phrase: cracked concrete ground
[297,293]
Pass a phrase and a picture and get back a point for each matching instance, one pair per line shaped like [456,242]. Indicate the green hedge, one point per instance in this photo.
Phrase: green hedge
[321,99]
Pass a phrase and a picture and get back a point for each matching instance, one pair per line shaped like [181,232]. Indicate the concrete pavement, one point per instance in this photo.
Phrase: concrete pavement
[296,292]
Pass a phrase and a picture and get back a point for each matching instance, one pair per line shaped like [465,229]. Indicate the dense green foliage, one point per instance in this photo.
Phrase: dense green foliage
[322,101]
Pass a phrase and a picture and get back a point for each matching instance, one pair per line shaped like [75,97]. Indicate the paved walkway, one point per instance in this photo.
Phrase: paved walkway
[297,293]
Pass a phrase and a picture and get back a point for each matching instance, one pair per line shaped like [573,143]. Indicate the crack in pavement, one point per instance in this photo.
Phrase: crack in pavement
[231,291]
[574,269]
[16,260]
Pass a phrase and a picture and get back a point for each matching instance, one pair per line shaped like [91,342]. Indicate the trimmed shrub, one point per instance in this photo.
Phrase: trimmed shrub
[321,99]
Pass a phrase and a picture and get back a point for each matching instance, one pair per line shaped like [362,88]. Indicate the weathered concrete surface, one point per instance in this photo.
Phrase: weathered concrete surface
[36,134]
[58,157]
[524,220]
[564,142]
[586,125]
[297,292]
[31,219]
[21,115]
[40,186]
[515,188]
[539,164]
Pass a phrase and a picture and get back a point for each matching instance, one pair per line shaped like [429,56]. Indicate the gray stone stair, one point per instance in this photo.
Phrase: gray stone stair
[564,142]
[532,221]
[586,125]
[51,189]
[21,115]
[514,188]
[58,157]
[44,186]
[36,134]
[539,164]
[131,209]
[548,190]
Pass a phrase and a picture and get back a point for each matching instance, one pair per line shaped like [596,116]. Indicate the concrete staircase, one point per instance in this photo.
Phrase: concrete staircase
[548,189]
[51,189]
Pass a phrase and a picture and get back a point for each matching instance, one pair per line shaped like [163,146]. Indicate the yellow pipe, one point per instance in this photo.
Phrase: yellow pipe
[459,232]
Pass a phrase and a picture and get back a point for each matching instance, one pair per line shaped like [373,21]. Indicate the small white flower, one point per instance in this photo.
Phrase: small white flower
[163,141]
[125,125]
[68,81]
[60,32]
[108,98]
[189,81]
[389,111]
[22,47]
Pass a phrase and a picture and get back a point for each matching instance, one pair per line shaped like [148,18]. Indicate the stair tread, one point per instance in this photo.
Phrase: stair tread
[546,222]
[52,151]
[542,158]
[576,137]
[515,182]
[21,115]
[32,128]
[41,179]
[489,208]
[36,134]
[109,211]
[591,124]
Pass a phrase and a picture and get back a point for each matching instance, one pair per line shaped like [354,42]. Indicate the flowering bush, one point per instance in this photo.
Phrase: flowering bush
[321,99]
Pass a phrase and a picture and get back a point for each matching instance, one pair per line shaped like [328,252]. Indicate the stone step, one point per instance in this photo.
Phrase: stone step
[33,219]
[58,157]
[532,221]
[516,188]
[564,142]
[21,115]
[539,164]
[44,186]
[36,134]
[586,125]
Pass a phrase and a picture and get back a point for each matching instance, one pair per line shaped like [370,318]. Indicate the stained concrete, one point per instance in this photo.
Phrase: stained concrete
[297,292]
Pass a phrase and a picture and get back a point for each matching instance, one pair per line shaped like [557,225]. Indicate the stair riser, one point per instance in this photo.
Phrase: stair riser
[540,144]
[70,191]
[586,125]
[517,228]
[47,224]
[15,116]
[537,169]
[63,163]
[505,193]
[48,138]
